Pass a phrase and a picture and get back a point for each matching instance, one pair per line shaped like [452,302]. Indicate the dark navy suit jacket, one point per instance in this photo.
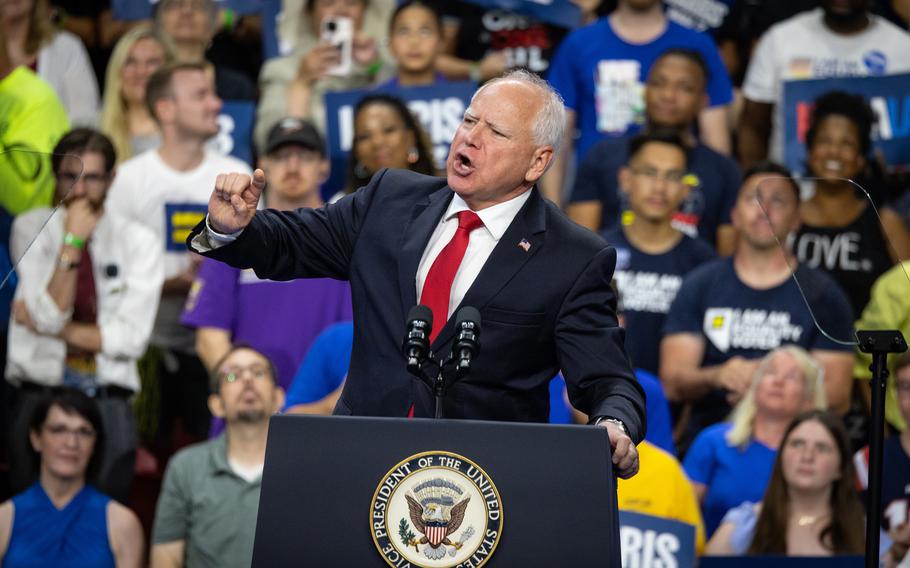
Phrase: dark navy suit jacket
[543,309]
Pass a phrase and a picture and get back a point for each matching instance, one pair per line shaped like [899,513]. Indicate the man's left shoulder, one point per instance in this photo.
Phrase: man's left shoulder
[567,234]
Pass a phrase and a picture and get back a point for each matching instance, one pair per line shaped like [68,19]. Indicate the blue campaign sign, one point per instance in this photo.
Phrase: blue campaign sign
[179,220]
[649,542]
[556,12]
[236,134]
[271,10]
[889,97]
[438,108]
[129,10]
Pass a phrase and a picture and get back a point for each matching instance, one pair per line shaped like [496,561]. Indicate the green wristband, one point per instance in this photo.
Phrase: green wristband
[73,241]
[374,67]
[227,21]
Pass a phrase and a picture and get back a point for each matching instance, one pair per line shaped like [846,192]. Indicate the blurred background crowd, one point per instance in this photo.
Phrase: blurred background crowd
[747,158]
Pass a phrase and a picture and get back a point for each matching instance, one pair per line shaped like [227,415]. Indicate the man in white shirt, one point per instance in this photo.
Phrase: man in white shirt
[540,282]
[83,312]
[167,189]
[840,39]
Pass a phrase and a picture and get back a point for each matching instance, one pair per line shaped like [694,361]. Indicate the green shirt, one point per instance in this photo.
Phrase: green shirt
[204,503]
[888,308]
[32,121]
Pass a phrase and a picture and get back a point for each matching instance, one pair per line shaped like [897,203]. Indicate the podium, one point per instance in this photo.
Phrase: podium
[376,492]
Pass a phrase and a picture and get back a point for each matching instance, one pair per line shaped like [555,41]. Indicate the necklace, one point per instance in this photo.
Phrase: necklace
[807,520]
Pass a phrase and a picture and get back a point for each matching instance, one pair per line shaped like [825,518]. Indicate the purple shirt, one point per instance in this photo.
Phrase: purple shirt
[281,319]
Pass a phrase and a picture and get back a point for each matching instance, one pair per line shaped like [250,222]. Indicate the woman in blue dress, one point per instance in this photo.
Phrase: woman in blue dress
[62,520]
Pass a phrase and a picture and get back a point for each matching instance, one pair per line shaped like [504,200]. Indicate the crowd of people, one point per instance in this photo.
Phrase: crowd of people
[140,377]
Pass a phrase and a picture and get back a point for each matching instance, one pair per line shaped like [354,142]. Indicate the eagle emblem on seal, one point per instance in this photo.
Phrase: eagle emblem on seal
[437,509]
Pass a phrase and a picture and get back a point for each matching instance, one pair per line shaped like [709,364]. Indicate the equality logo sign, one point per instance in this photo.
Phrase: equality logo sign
[889,97]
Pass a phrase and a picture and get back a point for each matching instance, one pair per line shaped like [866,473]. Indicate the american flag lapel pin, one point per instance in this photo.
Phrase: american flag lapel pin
[525,245]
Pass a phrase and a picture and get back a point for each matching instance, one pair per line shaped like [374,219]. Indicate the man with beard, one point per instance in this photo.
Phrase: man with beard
[88,291]
[206,514]
[731,311]
[840,39]
[164,189]
[226,304]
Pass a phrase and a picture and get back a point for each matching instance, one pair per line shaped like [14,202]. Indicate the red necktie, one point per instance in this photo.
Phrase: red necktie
[437,288]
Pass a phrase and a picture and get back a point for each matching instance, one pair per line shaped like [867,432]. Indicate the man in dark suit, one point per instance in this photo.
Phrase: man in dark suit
[483,237]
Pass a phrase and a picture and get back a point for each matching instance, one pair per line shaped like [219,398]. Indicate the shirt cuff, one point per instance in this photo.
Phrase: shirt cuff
[217,239]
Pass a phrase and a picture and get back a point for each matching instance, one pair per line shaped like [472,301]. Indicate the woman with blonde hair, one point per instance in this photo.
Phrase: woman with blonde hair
[731,462]
[124,116]
[57,56]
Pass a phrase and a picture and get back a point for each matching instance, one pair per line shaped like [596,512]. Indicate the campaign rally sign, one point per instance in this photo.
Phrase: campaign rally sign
[129,10]
[889,97]
[271,12]
[438,108]
[652,542]
[555,12]
[235,136]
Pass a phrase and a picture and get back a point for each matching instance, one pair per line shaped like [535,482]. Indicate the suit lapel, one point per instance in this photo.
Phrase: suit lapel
[518,244]
[424,217]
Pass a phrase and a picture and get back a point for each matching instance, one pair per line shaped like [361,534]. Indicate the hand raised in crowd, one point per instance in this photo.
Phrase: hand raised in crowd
[234,200]
[625,455]
[314,65]
[735,376]
[363,49]
[81,218]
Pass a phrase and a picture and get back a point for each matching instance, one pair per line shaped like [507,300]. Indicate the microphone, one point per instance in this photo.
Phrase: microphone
[416,346]
[467,343]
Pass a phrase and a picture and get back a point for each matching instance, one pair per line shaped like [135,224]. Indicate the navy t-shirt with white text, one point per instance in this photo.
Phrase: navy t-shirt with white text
[647,285]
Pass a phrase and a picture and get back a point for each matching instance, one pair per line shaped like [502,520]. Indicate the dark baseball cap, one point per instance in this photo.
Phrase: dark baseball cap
[294,131]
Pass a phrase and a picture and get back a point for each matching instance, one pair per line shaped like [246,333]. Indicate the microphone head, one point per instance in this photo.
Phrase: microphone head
[467,313]
[421,312]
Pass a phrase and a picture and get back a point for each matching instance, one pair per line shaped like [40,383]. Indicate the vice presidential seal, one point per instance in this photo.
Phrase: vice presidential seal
[436,510]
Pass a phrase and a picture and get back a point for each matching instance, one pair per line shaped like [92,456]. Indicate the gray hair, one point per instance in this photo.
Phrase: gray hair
[550,122]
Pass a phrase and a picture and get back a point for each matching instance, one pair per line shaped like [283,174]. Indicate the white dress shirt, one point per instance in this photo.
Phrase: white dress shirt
[128,270]
[496,220]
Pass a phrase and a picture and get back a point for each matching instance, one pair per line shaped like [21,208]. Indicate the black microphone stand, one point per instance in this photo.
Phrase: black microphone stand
[879,344]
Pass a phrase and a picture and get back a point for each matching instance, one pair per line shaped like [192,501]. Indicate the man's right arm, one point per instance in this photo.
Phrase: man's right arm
[284,245]
[684,378]
[211,344]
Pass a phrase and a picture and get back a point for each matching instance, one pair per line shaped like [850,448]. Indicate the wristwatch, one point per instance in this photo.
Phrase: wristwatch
[616,421]
[68,261]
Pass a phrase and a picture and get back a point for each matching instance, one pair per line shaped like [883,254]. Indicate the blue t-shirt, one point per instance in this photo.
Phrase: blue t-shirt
[732,474]
[657,410]
[647,285]
[324,367]
[601,77]
[735,319]
[705,209]
[75,536]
